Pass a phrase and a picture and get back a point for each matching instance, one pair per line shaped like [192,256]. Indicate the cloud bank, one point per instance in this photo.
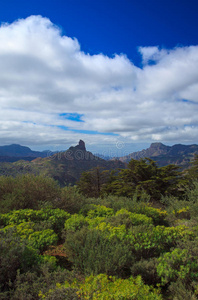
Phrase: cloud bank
[52,93]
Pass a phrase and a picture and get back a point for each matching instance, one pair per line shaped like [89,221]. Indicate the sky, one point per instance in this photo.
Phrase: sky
[118,74]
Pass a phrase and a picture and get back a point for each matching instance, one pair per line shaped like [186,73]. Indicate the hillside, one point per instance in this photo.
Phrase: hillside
[180,155]
[14,152]
[66,167]
[57,243]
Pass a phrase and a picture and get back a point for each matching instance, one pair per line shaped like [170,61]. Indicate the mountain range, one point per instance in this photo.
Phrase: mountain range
[178,154]
[14,152]
[67,166]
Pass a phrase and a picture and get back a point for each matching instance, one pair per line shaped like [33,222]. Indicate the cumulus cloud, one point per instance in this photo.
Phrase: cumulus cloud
[45,75]
[152,54]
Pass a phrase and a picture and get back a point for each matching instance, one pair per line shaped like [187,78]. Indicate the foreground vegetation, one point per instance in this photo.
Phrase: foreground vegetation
[131,234]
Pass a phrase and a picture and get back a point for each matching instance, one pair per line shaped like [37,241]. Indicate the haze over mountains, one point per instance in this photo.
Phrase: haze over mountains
[14,152]
[67,166]
[177,154]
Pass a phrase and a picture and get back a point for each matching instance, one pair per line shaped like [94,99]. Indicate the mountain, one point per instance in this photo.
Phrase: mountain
[106,157]
[66,166]
[178,154]
[14,152]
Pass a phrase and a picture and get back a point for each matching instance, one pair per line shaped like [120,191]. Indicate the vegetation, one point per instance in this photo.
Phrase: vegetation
[140,175]
[127,234]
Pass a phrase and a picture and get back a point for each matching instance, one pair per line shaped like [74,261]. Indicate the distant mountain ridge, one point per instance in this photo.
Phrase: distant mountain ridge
[67,166]
[178,154]
[14,152]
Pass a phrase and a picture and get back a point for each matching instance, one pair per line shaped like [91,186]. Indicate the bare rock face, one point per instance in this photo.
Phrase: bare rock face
[180,155]
[81,145]
[66,167]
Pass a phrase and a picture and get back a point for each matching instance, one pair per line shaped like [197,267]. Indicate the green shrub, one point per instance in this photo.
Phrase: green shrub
[76,222]
[15,254]
[102,214]
[135,206]
[178,290]
[70,200]
[102,287]
[156,214]
[57,218]
[177,264]
[42,239]
[60,293]
[192,192]
[39,240]
[136,219]
[92,253]
[150,241]
[48,261]
[109,288]
[176,209]
[27,191]
[23,229]
[23,215]
[146,240]
[100,211]
[44,218]
[110,201]
[28,285]
[147,268]
[192,198]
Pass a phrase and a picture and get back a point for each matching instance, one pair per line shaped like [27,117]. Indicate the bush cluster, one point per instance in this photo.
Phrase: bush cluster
[57,244]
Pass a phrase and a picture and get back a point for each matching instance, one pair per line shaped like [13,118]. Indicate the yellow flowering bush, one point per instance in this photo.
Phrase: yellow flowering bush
[100,211]
[102,287]
[136,218]
[182,213]
[158,215]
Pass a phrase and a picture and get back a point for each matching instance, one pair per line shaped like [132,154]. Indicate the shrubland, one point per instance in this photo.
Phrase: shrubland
[130,234]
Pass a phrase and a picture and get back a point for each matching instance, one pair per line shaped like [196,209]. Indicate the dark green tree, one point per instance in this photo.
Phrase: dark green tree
[91,182]
[192,172]
[144,174]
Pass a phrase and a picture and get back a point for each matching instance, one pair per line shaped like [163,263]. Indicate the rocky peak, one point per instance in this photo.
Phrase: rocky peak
[81,145]
[156,149]
[157,145]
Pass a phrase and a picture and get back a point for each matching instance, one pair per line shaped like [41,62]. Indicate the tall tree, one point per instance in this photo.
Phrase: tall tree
[145,175]
[91,182]
[192,172]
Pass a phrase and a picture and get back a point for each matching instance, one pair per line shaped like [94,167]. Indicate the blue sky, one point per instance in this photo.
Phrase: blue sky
[114,26]
[118,74]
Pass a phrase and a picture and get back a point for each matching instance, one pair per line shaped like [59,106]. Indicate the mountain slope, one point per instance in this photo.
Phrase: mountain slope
[66,167]
[178,154]
[16,152]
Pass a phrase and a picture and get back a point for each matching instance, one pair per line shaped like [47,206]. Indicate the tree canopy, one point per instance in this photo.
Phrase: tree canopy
[143,174]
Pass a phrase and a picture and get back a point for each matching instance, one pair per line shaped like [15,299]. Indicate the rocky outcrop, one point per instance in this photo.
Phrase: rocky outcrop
[177,154]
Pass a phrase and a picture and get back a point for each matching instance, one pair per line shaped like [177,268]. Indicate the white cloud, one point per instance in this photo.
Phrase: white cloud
[44,74]
[152,54]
